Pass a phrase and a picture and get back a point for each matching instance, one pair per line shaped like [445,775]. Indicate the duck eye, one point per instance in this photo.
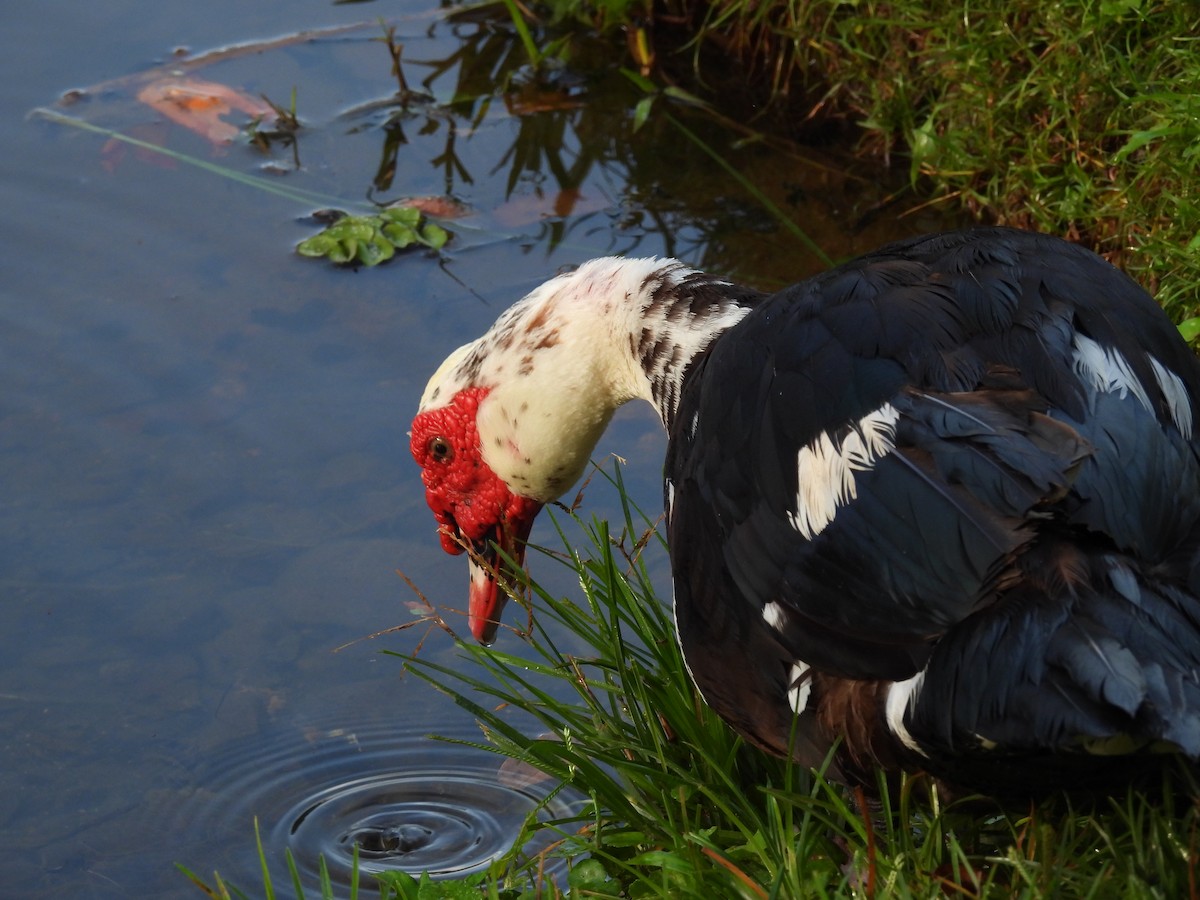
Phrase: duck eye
[440,449]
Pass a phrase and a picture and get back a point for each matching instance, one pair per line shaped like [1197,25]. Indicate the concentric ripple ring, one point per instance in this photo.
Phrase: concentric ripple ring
[405,802]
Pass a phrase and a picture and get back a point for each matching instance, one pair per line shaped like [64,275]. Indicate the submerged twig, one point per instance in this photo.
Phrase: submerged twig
[184,63]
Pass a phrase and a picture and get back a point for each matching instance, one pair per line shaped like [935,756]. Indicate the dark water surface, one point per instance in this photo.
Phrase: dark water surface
[203,467]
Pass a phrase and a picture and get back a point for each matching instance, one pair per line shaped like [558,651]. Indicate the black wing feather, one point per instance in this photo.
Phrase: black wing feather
[1003,452]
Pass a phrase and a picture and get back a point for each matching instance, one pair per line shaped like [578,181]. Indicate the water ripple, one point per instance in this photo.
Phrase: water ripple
[406,802]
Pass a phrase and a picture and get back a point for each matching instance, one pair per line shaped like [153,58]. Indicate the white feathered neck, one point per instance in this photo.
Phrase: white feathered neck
[558,363]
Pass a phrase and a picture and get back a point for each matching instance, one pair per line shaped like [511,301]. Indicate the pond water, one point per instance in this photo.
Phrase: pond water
[205,478]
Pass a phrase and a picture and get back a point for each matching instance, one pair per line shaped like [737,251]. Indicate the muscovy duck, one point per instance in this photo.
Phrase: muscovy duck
[941,502]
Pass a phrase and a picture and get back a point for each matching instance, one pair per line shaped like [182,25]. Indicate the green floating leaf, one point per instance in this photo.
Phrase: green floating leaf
[375,251]
[401,235]
[371,240]
[435,236]
[404,215]
[344,251]
[317,245]
[352,228]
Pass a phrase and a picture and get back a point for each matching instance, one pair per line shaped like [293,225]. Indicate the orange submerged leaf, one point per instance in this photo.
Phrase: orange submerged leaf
[201,106]
[438,207]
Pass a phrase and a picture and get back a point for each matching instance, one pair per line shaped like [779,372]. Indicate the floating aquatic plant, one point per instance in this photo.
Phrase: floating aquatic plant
[370,240]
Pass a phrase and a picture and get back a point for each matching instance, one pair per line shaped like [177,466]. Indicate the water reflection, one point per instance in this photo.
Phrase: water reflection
[541,156]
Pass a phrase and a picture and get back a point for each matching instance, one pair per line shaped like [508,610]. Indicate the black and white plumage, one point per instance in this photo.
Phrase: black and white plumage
[941,502]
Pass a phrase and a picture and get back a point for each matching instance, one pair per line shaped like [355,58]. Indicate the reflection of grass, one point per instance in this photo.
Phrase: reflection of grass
[1080,117]
[571,121]
[283,130]
[785,221]
[535,53]
[681,808]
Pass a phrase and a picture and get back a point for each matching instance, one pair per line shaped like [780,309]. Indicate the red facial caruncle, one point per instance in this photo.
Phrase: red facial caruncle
[473,506]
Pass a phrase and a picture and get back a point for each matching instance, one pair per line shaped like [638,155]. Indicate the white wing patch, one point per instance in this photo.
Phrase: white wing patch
[902,697]
[800,686]
[774,615]
[1107,370]
[826,470]
[1176,396]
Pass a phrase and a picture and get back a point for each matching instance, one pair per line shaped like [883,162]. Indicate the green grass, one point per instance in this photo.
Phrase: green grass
[679,807]
[1080,118]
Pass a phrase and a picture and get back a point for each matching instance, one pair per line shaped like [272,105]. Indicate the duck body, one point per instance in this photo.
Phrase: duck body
[940,504]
